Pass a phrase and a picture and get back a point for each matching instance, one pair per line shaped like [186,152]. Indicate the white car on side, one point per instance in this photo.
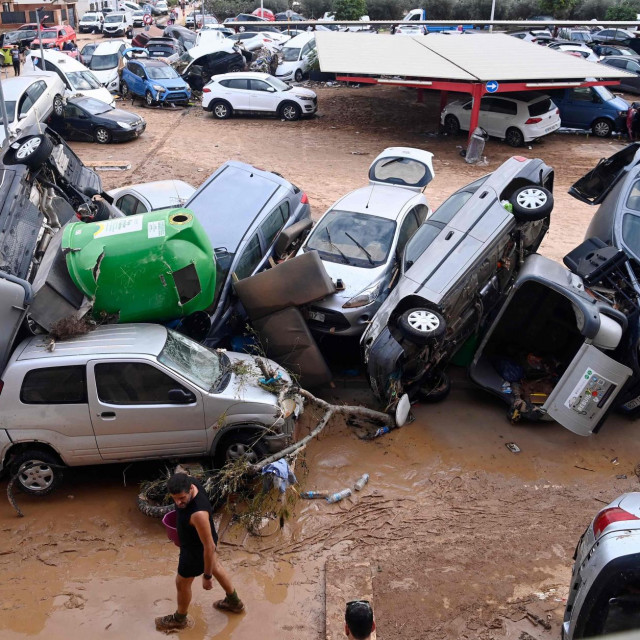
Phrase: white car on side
[29,100]
[296,57]
[258,93]
[516,118]
[151,196]
[581,49]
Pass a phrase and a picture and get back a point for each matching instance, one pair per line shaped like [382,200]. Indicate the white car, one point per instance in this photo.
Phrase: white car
[79,80]
[106,63]
[162,7]
[253,41]
[411,30]
[296,57]
[258,93]
[128,6]
[29,100]
[151,196]
[516,118]
[91,22]
[580,49]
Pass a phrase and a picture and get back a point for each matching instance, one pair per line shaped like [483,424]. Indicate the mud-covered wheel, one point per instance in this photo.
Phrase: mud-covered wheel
[39,472]
[148,97]
[298,75]
[58,106]
[602,128]
[124,89]
[531,203]
[239,445]
[32,151]
[151,509]
[102,135]
[452,125]
[435,390]
[421,325]
[290,111]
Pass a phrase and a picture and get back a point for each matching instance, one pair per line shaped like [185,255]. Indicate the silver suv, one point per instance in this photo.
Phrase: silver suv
[133,392]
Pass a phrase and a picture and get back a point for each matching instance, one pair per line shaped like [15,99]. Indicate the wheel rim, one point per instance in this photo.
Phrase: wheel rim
[289,112]
[601,129]
[57,106]
[220,111]
[124,89]
[102,135]
[241,451]
[531,198]
[298,75]
[149,98]
[514,138]
[28,148]
[36,475]
[423,321]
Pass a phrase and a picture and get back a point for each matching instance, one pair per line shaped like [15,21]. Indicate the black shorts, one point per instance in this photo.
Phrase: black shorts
[191,563]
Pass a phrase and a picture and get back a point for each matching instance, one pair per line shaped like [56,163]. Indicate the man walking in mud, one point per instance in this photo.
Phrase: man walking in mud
[198,556]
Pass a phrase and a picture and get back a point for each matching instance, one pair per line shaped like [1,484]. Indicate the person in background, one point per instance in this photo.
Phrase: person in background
[15,58]
[358,620]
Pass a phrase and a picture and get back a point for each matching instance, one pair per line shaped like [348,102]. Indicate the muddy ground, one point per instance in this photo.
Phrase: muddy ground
[464,538]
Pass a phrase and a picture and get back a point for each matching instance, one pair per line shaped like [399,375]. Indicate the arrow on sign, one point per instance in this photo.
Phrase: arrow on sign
[492,86]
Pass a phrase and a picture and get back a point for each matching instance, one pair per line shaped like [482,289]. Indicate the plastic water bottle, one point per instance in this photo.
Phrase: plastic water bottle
[359,486]
[314,495]
[341,495]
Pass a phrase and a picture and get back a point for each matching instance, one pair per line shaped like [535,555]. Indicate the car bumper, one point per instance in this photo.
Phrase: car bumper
[532,132]
[174,96]
[122,135]
[343,322]
[308,109]
[285,76]
[117,32]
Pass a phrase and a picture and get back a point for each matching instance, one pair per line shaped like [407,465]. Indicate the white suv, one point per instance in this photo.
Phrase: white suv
[259,93]
[516,117]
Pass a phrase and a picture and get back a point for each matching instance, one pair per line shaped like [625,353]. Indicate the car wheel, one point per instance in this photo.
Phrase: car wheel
[58,106]
[239,445]
[602,128]
[435,390]
[148,97]
[531,203]
[514,137]
[102,136]
[39,472]
[421,325]
[221,110]
[290,111]
[298,75]
[452,125]
[124,89]
[32,151]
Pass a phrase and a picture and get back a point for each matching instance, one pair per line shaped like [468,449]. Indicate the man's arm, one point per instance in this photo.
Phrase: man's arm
[200,520]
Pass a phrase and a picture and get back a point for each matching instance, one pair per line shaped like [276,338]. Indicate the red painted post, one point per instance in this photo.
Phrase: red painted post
[477,93]
[444,96]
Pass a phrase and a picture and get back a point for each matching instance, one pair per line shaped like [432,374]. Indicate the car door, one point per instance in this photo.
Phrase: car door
[130,205]
[133,417]
[492,118]
[271,226]
[133,75]
[77,124]
[236,91]
[408,226]
[262,96]
[632,84]
[578,108]
[26,113]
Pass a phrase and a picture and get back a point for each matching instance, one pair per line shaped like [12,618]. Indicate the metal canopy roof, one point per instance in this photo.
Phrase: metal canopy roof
[480,57]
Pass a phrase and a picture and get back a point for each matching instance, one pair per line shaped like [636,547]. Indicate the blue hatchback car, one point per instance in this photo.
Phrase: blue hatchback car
[155,81]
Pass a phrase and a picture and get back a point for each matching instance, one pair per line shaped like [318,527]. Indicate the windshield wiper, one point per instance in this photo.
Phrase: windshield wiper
[346,233]
[346,260]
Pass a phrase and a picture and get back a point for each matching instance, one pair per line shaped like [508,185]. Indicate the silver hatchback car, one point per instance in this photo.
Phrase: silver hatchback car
[360,239]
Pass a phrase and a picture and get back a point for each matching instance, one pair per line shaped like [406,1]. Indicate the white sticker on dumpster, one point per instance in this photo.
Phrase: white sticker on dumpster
[118,226]
[155,229]
[590,394]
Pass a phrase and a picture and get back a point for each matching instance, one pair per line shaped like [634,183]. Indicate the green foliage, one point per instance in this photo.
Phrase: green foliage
[315,8]
[385,9]
[558,8]
[349,9]
[625,10]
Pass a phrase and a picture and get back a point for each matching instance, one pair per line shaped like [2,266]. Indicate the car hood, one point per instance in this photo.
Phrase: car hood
[288,67]
[99,94]
[105,76]
[300,91]
[355,279]
[171,82]
[455,103]
[620,104]
[120,115]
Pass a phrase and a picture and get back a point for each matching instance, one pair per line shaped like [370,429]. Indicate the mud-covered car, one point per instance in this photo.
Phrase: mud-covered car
[456,269]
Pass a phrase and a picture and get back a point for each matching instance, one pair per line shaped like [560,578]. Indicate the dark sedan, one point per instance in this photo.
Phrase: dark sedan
[88,119]
[626,63]
[164,47]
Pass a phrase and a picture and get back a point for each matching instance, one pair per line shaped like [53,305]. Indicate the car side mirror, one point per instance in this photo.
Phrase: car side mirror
[180,396]
[271,89]
[22,116]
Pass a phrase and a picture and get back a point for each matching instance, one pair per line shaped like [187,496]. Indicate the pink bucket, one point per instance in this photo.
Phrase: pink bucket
[169,521]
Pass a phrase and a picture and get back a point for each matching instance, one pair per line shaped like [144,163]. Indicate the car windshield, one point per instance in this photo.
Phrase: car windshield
[278,84]
[114,18]
[196,363]
[357,239]
[101,63]
[11,110]
[83,80]
[162,73]
[89,17]
[95,107]
[605,94]
[290,54]
[48,34]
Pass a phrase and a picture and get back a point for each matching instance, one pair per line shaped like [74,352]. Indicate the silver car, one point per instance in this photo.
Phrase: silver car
[604,596]
[360,239]
[133,392]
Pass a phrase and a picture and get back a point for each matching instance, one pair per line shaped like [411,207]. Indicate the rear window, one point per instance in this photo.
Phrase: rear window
[55,385]
[541,107]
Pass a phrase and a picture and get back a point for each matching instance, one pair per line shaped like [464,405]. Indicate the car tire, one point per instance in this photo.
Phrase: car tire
[602,128]
[431,393]
[238,445]
[39,471]
[221,110]
[32,151]
[531,203]
[514,137]
[290,111]
[297,76]
[102,136]
[421,325]
[58,106]
[452,125]
[149,99]
[124,89]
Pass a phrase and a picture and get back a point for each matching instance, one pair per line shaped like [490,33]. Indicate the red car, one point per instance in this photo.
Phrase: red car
[55,36]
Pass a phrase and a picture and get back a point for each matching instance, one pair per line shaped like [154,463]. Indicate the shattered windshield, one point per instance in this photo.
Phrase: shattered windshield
[83,80]
[196,363]
[356,239]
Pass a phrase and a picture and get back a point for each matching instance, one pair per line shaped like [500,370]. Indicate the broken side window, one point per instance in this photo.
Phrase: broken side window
[187,283]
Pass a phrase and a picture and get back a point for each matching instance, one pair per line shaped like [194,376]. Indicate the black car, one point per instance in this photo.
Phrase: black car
[197,72]
[184,35]
[164,47]
[22,38]
[88,119]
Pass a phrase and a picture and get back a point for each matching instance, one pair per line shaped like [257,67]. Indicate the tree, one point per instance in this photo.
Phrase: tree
[625,10]
[558,8]
[315,8]
[349,9]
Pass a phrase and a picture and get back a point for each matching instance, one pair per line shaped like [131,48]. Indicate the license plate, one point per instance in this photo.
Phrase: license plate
[553,128]
[315,315]
[632,404]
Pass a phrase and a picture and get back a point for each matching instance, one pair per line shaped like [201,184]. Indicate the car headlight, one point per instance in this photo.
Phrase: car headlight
[124,125]
[365,297]
[303,97]
[159,88]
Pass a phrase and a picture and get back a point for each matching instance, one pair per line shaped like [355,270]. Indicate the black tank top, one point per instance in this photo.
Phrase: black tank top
[188,534]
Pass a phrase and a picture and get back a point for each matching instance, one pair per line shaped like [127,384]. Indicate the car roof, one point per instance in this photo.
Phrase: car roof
[110,46]
[158,192]
[118,340]
[376,200]
[256,75]
[300,40]
[60,59]
[15,87]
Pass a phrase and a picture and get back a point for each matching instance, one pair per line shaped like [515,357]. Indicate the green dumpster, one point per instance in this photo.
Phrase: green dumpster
[150,267]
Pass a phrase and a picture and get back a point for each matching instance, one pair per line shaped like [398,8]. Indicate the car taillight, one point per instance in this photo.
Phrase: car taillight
[304,199]
[557,111]
[609,516]
[533,120]
[206,90]
[519,158]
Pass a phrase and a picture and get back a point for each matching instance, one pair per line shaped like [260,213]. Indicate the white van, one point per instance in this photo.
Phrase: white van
[106,63]
[78,80]
[296,57]
[91,22]
[118,23]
